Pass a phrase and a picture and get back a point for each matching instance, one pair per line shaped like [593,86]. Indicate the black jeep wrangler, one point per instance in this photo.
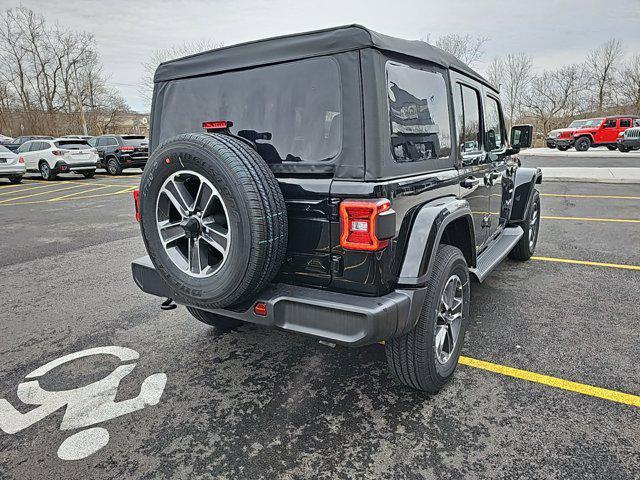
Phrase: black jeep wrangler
[341,184]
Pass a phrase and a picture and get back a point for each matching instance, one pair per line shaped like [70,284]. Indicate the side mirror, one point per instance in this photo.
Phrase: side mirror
[521,136]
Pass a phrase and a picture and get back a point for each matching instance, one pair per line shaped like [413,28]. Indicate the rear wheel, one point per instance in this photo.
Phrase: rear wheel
[220,323]
[426,357]
[612,147]
[563,148]
[45,171]
[527,244]
[15,179]
[113,167]
[583,144]
[623,149]
[89,173]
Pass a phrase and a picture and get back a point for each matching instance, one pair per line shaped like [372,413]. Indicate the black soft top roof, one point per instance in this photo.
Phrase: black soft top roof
[305,45]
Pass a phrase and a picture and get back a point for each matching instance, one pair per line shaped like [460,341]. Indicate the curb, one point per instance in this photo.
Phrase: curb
[591,180]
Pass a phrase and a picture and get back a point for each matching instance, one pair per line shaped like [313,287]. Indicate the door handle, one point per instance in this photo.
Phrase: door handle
[470,182]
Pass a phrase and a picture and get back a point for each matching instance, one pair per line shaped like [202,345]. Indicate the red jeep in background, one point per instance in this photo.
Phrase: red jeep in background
[599,132]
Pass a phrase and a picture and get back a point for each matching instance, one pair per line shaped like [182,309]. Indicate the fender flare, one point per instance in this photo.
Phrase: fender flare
[524,183]
[424,237]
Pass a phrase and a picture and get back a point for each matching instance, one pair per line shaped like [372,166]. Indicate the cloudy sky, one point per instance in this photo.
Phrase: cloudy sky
[553,32]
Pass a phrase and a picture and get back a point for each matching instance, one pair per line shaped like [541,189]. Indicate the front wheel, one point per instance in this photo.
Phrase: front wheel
[220,323]
[15,179]
[623,149]
[563,148]
[612,147]
[426,357]
[531,225]
[583,144]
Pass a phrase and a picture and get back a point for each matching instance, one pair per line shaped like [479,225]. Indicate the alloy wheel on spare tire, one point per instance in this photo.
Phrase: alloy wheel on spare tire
[213,219]
[582,144]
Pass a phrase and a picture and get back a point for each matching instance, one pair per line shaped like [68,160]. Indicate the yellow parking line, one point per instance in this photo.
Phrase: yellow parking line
[39,193]
[591,219]
[119,192]
[69,195]
[81,196]
[572,195]
[585,262]
[25,188]
[611,395]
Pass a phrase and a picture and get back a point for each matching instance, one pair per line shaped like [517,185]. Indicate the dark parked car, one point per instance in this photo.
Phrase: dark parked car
[118,152]
[347,186]
[15,144]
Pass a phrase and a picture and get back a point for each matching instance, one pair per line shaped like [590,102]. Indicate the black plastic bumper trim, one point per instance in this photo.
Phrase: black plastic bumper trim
[340,318]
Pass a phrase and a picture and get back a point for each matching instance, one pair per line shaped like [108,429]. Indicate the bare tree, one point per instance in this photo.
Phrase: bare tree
[468,48]
[554,95]
[512,76]
[50,76]
[176,51]
[630,83]
[602,64]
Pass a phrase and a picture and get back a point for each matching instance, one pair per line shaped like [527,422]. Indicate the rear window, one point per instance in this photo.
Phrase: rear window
[4,149]
[72,144]
[418,113]
[291,110]
[135,140]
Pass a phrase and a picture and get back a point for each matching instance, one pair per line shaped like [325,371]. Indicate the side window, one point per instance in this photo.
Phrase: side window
[111,142]
[609,123]
[23,148]
[467,101]
[625,123]
[419,115]
[636,122]
[494,125]
[101,142]
[92,142]
[35,147]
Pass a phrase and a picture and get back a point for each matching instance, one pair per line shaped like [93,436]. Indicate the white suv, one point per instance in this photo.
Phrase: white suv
[61,155]
[10,166]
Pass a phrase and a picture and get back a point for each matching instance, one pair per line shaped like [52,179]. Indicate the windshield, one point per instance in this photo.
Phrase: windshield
[577,123]
[593,122]
[291,110]
[72,144]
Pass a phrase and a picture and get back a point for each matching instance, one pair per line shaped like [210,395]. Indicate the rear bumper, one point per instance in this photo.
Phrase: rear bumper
[340,318]
[19,169]
[62,166]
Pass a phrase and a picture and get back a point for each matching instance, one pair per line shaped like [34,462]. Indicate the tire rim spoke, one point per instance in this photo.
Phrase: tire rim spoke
[449,319]
[192,222]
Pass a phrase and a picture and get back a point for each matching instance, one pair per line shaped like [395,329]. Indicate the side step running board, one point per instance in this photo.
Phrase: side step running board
[495,253]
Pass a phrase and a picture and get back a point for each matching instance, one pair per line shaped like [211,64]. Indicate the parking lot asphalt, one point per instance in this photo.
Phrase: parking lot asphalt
[261,403]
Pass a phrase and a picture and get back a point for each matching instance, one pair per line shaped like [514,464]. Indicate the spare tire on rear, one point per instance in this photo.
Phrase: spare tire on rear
[213,219]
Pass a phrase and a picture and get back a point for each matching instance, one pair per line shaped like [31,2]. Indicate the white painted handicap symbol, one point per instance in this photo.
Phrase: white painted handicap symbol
[85,406]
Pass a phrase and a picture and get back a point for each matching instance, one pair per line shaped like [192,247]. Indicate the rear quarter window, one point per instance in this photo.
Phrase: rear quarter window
[419,114]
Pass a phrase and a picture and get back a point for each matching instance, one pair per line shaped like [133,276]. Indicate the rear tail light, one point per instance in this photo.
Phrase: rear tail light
[57,153]
[366,224]
[127,148]
[20,159]
[136,202]
[217,125]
